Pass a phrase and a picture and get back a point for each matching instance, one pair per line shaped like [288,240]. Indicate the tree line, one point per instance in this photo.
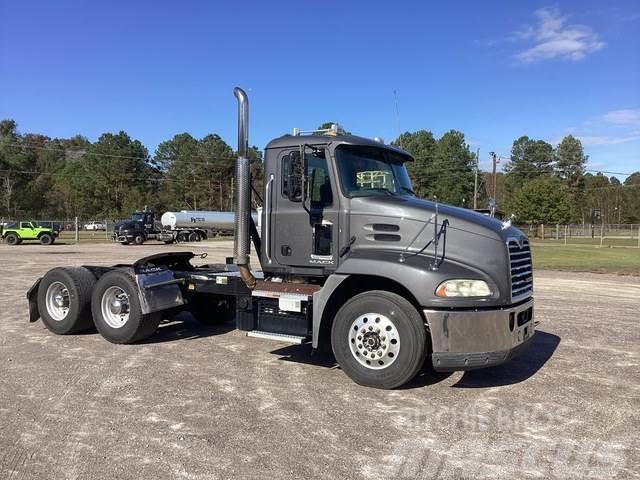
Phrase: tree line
[539,183]
[47,178]
[41,177]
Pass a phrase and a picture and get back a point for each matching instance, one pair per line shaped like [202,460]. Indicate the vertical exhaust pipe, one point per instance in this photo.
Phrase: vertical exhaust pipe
[241,249]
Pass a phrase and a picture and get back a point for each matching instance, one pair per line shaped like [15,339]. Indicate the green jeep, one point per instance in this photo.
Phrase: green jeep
[16,232]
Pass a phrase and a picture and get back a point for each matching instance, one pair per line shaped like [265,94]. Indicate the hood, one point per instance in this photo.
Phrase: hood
[125,225]
[423,211]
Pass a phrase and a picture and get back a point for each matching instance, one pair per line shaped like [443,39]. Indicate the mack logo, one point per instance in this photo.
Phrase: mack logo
[521,242]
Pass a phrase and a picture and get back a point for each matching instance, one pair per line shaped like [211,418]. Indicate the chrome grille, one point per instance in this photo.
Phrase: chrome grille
[521,271]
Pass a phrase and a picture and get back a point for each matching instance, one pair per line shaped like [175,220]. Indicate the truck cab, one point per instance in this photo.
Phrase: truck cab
[137,229]
[339,210]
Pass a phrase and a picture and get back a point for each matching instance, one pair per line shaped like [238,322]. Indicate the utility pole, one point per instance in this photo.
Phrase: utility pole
[493,175]
[475,181]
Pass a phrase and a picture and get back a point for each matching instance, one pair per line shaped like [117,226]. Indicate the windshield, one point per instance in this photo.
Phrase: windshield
[368,171]
[137,217]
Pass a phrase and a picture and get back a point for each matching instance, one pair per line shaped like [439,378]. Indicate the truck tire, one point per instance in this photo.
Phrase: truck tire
[183,237]
[194,237]
[64,300]
[46,239]
[138,239]
[212,311]
[12,239]
[379,339]
[116,309]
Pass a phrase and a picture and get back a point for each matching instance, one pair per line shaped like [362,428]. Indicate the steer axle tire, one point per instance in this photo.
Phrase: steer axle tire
[379,339]
[117,312]
[64,300]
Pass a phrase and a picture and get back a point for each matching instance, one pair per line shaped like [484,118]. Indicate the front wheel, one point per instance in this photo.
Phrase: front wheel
[138,239]
[379,339]
[117,312]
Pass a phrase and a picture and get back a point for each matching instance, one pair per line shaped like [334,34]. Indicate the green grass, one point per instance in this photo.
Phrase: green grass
[623,261]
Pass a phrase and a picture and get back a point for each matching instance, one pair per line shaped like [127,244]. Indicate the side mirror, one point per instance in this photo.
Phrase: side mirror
[296,177]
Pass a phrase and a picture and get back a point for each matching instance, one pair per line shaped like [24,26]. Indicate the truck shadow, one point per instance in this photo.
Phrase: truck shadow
[517,370]
[304,354]
[185,327]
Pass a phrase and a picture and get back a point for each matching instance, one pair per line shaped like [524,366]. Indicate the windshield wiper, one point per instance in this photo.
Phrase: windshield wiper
[407,189]
[378,189]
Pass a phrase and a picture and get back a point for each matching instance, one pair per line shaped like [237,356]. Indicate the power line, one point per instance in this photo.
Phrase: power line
[151,159]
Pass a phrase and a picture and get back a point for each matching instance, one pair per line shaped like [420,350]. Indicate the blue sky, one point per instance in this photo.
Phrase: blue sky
[494,70]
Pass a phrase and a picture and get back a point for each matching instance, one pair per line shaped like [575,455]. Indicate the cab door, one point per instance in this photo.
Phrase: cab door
[306,225]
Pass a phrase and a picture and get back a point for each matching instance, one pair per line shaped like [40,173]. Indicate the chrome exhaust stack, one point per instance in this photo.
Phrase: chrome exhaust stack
[242,231]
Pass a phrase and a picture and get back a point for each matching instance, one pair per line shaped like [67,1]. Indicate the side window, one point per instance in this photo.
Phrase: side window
[25,225]
[285,175]
[319,182]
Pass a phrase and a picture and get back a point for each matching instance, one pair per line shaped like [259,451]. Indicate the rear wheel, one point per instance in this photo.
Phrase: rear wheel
[116,308]
[183,237]
[46,239]
[194,237]
[379,339]
[64,300]
[12,239]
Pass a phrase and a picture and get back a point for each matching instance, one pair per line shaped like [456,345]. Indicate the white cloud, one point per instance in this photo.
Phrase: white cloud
[623,117]
[553,38]
[607,139]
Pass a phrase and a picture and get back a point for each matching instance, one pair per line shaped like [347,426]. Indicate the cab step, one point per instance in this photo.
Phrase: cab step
[277,336]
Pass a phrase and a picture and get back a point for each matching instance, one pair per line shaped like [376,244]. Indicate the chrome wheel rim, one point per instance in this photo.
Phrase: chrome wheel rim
[374,341]
[57,301]
[115,307]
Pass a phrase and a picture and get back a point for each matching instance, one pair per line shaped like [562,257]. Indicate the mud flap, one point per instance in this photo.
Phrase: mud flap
[158,289]
[32,296]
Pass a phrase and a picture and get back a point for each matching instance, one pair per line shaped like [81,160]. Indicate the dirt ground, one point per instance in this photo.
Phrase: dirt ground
[198,402]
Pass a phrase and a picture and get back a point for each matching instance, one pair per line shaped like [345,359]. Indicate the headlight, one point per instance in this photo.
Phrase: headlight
[463,288]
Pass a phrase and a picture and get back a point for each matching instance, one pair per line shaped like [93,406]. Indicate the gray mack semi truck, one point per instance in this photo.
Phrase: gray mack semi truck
[349,258]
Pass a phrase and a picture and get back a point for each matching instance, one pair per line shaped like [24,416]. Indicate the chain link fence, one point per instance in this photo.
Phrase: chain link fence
[601,234]
[70,230]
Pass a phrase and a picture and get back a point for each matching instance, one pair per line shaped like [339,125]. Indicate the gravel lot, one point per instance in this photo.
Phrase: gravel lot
[208,402]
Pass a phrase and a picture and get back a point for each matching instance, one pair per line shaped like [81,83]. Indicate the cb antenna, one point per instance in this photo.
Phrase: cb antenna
[395,98]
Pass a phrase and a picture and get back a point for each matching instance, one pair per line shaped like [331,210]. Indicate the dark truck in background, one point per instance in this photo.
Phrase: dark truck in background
[142,226]
[349,257]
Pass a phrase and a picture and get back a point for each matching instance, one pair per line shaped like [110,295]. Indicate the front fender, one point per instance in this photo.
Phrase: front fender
[415,273]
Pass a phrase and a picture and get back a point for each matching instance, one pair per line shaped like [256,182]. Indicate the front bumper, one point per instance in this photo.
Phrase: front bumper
[117,237]
[470,339]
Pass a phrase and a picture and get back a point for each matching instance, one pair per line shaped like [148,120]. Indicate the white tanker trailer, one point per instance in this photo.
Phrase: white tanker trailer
[211,221]
[182,226]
